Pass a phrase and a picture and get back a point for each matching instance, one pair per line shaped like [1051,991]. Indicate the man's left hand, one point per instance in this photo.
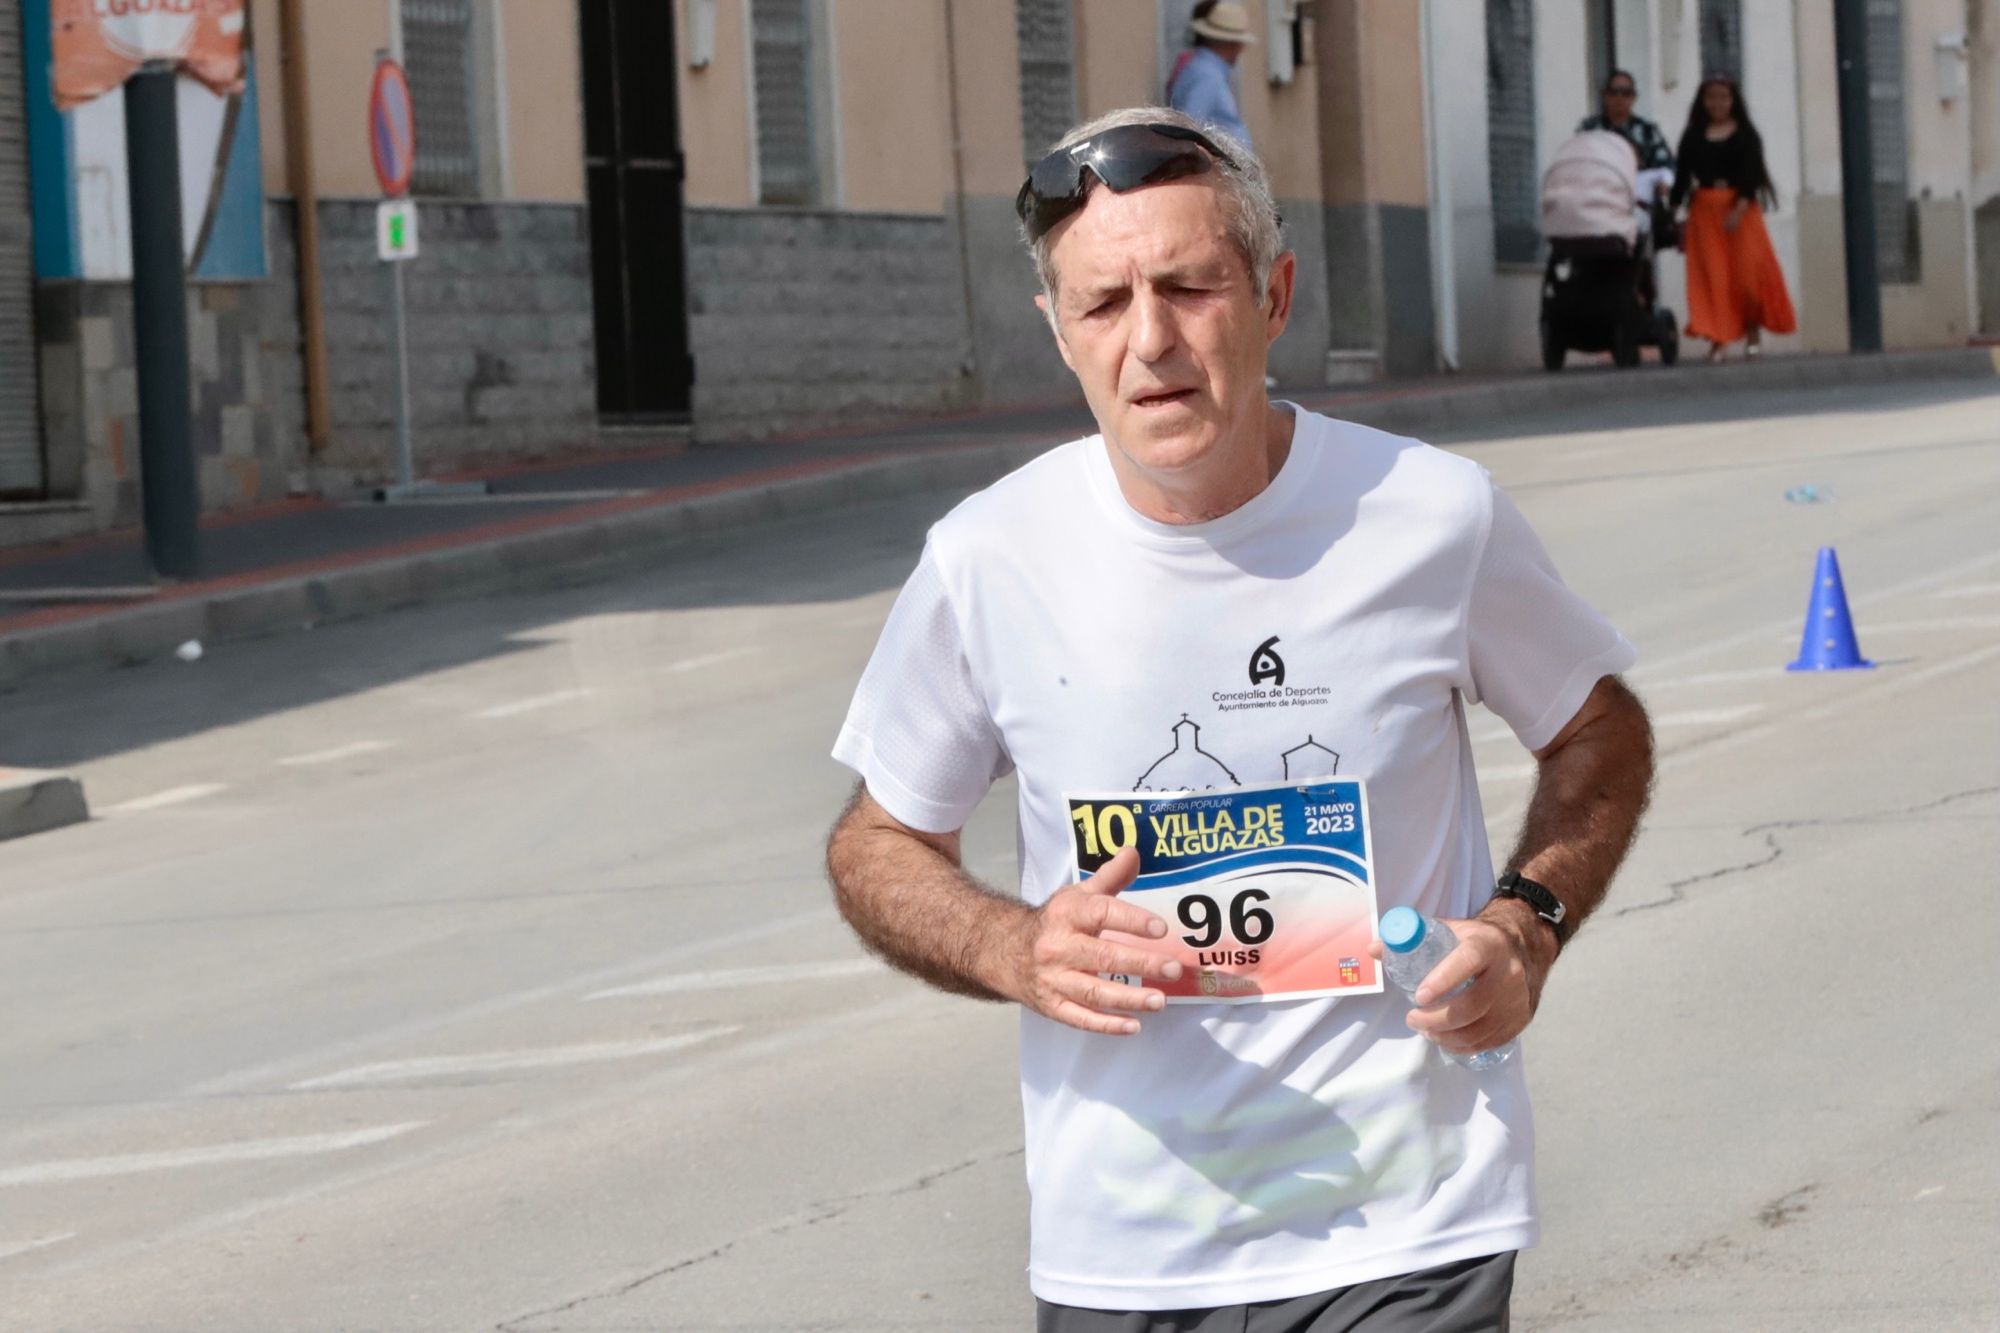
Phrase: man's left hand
[1506,951]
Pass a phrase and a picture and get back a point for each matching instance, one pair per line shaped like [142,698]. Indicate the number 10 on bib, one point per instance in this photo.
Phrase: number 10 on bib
[1268,892]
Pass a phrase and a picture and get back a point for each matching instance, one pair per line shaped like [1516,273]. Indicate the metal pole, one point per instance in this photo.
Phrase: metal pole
[406,461]
[1857,177]
[170,497]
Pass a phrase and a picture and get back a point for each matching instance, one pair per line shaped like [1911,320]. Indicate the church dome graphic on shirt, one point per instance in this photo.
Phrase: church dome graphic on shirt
[1186,767]
[1310,759]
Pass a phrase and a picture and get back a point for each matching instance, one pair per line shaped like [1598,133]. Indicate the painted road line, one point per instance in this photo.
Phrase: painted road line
[1694,717]
[220,1154]
[1734,676]
[1970,590]
[706,660]
[10,1248]
[538,702]
[348,751]
[161,799]
[501,1062]
[1705,717]
[744,976]
[1944,624]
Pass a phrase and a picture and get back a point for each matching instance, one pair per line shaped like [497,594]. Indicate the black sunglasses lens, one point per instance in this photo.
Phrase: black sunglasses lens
[1124,158]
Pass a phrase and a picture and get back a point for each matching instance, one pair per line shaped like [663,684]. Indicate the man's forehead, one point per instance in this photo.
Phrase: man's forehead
[1178,224]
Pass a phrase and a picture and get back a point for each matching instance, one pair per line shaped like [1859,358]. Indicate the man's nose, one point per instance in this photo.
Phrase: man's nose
[1153,330]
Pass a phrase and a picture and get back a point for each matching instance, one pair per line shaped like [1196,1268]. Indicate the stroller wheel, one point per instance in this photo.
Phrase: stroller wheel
[1667,332]
[1553,350]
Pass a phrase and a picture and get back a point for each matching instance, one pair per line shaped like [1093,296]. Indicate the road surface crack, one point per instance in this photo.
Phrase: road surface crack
[1773,850]
[825,1210]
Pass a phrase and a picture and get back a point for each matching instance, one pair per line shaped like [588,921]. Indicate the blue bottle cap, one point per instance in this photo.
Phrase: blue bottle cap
[1402,929]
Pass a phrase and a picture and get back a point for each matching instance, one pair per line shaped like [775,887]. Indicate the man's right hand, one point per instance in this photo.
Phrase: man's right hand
[1060,952]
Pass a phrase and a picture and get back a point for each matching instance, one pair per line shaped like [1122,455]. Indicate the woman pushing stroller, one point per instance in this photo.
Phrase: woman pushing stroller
[1735,289]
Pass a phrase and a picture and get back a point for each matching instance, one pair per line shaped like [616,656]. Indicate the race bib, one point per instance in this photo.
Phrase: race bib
[1268,892]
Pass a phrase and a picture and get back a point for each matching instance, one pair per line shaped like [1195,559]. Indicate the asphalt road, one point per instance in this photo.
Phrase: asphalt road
[471,968]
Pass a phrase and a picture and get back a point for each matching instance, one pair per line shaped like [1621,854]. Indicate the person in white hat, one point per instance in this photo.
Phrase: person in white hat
[1203,81]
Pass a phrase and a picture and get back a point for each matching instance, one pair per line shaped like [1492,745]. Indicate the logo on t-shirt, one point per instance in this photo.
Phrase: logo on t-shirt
[1265,664]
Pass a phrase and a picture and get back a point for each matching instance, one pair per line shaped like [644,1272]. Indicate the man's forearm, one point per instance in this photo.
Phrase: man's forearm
[915,906]
[1588,797]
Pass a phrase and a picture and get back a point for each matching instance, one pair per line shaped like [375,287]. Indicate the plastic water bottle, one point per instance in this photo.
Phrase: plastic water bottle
[1412,945]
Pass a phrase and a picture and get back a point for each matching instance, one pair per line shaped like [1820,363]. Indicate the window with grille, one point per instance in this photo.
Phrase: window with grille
[787,153]
[437,56]
[1722,38]
[1888,137]
[1510,134]
[1048,73]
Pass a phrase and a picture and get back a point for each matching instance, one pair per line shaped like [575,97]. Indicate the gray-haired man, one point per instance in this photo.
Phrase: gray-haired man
[1225,645]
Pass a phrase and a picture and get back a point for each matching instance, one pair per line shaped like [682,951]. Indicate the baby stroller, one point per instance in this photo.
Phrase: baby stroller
[1598,292]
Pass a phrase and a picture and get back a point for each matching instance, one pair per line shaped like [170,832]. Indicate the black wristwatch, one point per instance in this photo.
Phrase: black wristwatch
[1538,896]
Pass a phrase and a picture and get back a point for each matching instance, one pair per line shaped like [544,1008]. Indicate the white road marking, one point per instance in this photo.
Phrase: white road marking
[539,701]
[1756,633]
[1715,745]
[1696,717]
[1705,717]
[744,976]
[496,1062]
[1926,1192]
[8,1249]
[171,796]
[1730,677]
[244,1150]
[348,751]
[465,1139]
[1970,590]
[1930,626]
[707,659]
[252,1077]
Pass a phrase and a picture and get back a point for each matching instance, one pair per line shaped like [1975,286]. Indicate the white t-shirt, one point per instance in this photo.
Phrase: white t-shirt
[1248,1152]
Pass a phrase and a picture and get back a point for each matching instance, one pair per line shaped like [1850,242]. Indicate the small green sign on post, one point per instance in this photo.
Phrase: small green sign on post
[396,229]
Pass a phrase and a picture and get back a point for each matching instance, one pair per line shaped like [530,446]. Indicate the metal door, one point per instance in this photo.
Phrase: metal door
[635,174]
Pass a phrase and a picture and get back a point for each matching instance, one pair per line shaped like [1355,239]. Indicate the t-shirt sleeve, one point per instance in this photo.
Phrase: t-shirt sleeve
[919,732]
[1534,649]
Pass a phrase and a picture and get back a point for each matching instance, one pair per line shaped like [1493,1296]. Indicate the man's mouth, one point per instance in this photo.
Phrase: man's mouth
[1164,399]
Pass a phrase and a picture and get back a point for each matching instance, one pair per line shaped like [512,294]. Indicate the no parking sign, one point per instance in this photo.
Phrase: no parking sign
[392,128]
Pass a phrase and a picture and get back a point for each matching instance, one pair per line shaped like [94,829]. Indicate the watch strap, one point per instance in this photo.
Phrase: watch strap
[1541,897]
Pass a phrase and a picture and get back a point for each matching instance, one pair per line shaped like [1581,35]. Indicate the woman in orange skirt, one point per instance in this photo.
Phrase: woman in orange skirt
[1735,288]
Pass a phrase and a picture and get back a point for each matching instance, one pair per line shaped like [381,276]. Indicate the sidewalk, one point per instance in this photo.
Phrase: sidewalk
[309,560]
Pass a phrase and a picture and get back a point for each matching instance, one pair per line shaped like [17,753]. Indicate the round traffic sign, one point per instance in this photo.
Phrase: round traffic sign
[392,129]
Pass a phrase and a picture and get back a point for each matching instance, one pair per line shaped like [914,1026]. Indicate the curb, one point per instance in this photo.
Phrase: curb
[35,800]
[556,554]
[1456,406]
[634,534]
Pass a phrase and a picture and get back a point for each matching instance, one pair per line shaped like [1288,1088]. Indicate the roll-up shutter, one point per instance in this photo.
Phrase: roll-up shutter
[20,426]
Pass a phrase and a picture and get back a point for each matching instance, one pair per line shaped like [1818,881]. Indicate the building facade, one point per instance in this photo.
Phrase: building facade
[754,217]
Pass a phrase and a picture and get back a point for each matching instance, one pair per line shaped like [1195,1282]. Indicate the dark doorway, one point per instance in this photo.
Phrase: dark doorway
[633,162]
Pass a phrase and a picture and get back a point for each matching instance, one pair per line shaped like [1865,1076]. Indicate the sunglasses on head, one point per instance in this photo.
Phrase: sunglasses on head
[1124,157]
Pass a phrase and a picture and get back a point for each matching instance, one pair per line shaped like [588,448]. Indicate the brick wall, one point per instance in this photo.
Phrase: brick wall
[501,351]
[801,319]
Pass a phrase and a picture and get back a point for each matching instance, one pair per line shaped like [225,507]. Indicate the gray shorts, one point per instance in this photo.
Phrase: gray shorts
[1469,1296]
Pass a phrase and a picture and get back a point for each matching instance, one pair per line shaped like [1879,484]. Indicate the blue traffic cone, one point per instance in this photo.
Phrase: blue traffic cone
[1828,643]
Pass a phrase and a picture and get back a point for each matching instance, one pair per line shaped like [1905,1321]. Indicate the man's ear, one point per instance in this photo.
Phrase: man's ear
[1278,296]
[1049,314]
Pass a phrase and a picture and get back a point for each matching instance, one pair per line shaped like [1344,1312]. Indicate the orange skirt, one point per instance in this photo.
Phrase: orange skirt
[1734,283]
